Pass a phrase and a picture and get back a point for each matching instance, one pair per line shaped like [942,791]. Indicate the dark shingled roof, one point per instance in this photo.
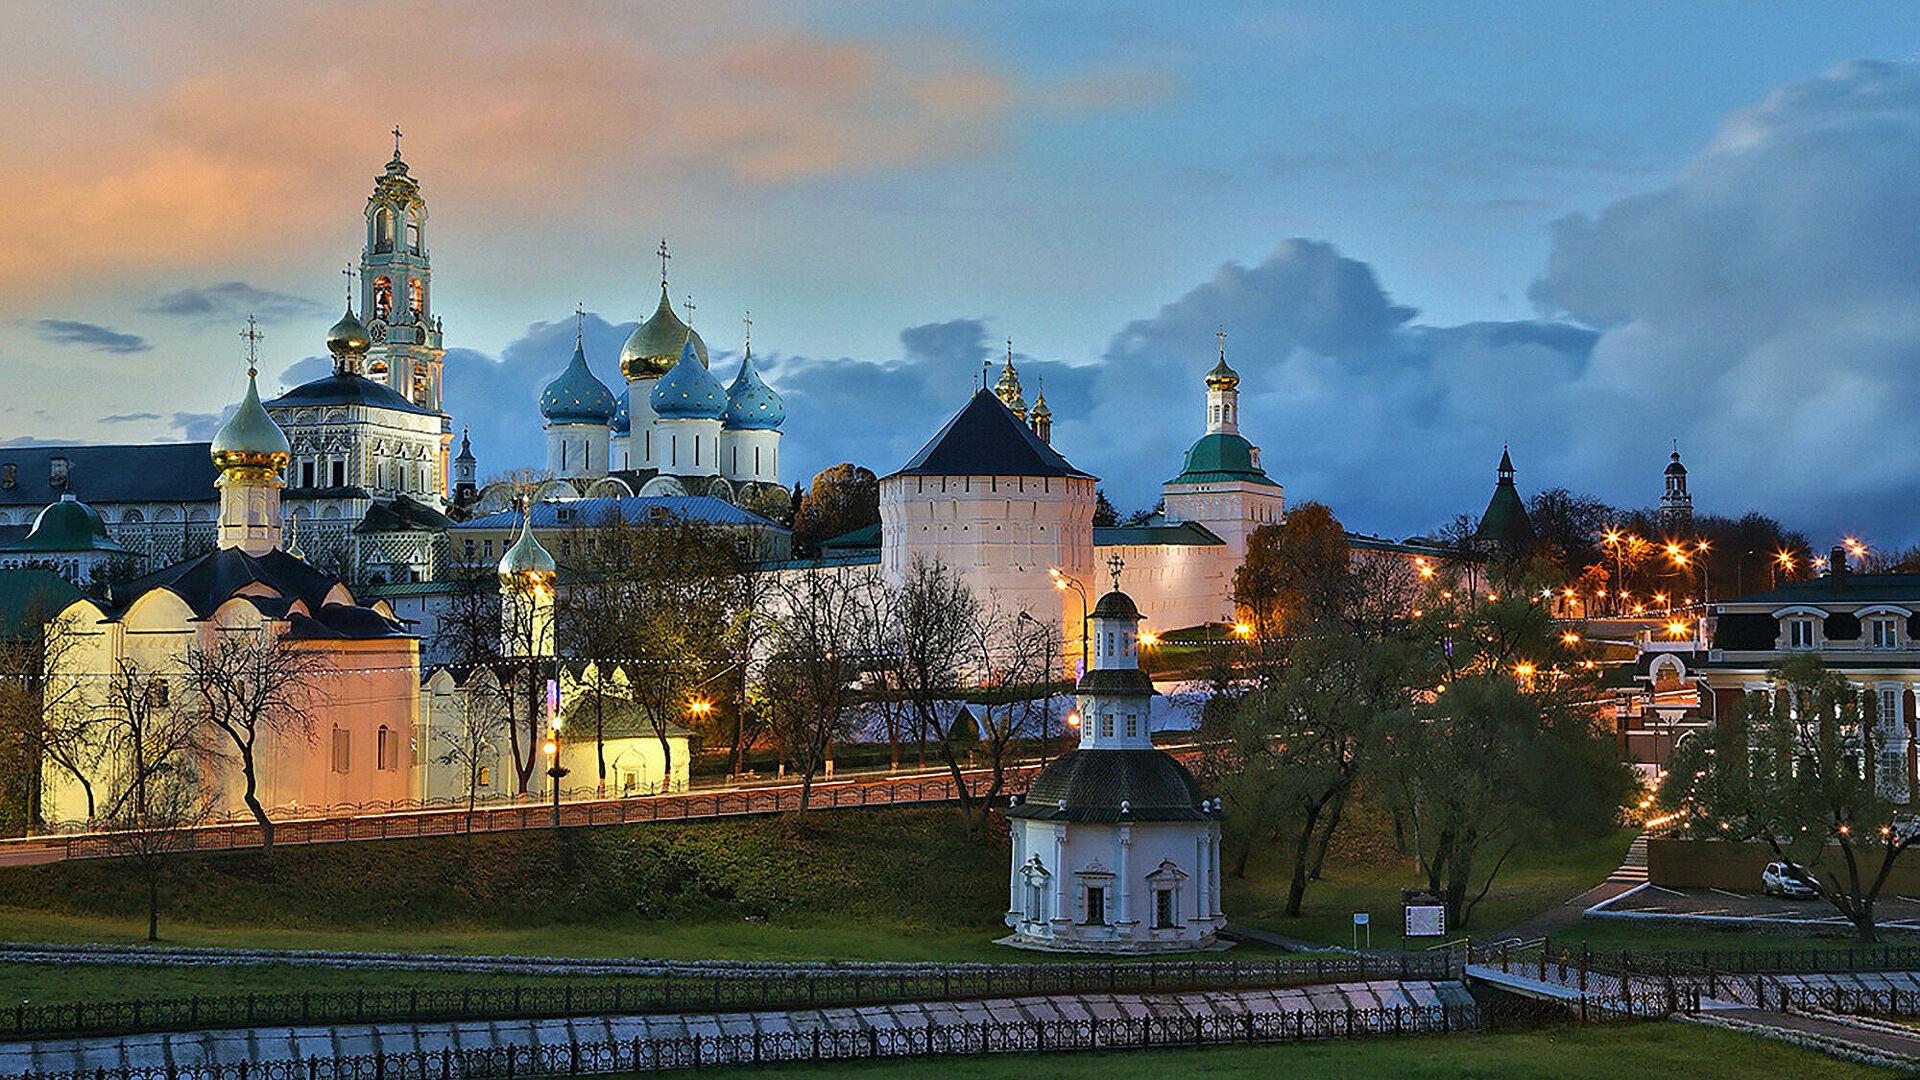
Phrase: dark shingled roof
[342,388]
[403,515]
[1115,605]
[986,439]
[1505,521]
[1116,681]
[28,597]
[103,475]
[1853,589]
[1089,786]
[1183,534]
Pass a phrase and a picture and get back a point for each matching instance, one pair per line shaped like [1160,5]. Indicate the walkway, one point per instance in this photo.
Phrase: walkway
[260,1046]
[1631,874]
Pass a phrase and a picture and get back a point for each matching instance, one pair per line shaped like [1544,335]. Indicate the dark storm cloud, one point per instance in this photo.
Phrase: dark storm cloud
[234,300]
[89,335]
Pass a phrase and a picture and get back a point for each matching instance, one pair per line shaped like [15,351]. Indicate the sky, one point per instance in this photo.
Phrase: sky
[1428,231]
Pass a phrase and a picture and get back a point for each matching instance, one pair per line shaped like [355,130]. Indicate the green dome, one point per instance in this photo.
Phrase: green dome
[655,345]
[250,438]
[1220,458]
[67,526]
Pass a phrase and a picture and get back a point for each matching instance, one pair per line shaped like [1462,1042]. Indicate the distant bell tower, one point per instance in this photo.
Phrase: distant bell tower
[1676,506]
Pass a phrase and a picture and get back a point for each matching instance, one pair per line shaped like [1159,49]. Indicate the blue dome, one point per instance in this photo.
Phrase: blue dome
[576,397]
[752,405]
[688,391]
[622,416]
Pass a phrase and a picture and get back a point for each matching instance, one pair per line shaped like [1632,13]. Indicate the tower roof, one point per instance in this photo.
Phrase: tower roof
[526,556]
[250,438]
[1093,785]
[1115,605]
[1222,377]
[985,439]
[655,345]
[1505,521]
[1674,468]
[688,391]
[466,449]
[576,395]
[1220,458]
[752,405]
[347,339]
[347,388]
[623,414]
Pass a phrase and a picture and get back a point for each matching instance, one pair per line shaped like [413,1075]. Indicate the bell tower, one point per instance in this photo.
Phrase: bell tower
[396,295]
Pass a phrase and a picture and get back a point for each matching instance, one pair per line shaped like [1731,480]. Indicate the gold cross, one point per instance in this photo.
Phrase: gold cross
[1009,352]
[663,261]
[1222,335]
[252,335]
[346,271]
[690,309]
[579,322]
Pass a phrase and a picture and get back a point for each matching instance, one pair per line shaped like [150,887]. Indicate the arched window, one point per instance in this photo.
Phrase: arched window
[383,298]
[416,298]
[383,229]
[413,231]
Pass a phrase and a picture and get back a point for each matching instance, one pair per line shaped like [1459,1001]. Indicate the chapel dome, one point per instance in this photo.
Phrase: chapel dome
[250,438]
[655,345]
[67,526]
[348,338]
[1222,377]
[1091,785]
[526,556]
[752,405]
[577,396]
[623,414]
[688,391]
[1115,605]
[1674,468]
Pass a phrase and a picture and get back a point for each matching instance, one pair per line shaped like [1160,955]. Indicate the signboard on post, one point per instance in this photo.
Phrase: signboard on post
[1426,914]
[1360,919]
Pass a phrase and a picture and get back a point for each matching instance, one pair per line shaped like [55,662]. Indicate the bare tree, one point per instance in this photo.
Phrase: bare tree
[249,685]
[471,747]
[825,620]
[155,797]
[44,712]
[1016,656]
[927,637]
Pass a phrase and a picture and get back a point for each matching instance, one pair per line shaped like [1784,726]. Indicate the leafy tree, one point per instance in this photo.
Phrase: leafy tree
[842,498]
[1296,574]
[1503,750]
[1799,773]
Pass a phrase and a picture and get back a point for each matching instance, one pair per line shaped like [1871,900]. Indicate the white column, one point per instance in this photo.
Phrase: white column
[1122,904]
[1016,902]
[1062,908]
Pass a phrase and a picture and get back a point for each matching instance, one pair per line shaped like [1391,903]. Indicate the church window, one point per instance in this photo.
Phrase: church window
[1890,709]
[673,450]
[1166,909]
[383,298]
[383,229]
[487,549]
[1133,725]
[413,232]
[339,474]
[756,462]
[385,749]
[647,442]
[1096,905]
[469,549]
[734,467]
[696,450]
[416,298]
[486,776]
[1106,727]
[306,474]
[342,750]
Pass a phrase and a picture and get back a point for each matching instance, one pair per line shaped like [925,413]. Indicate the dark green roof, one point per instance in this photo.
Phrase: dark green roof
[866,536]
[1090,785]
[65,527]
[31,596]
[1222,458]
[1505,521]
[1185,534]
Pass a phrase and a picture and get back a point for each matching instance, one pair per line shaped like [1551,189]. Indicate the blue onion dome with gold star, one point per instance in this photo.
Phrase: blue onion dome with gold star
[348,339]
[623,414]
[577,396]
[752,405]
[655,345]
[250,439]
[688,391]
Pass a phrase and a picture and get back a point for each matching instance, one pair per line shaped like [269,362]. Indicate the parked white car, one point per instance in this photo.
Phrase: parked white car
[1786,880]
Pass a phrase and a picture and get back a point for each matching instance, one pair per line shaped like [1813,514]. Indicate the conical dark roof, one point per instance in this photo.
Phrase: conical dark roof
[986,439]
[1505,523]
[1090,785]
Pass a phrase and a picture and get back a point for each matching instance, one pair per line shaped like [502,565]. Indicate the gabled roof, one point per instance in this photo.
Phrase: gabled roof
[985,439]
[104,475]
[403,514]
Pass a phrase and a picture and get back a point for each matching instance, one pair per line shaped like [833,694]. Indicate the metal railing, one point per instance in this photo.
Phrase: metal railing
[714,992]
[641,1054]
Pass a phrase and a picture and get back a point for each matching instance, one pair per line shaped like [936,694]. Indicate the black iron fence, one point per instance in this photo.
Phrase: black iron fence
[1850,1000]
[716,992]
[642,1054]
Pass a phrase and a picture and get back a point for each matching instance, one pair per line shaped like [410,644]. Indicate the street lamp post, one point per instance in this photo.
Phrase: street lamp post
[1063,582]
[555,770]
[1046,715]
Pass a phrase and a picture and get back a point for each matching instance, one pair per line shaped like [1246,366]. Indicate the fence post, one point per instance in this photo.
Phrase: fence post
[1503,958]
[1546,946]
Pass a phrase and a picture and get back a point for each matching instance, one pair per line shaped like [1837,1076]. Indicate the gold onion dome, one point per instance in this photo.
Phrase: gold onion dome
[348,339]
[1040,410]
[655,345]
[250,439]
[526,562]
[1222,377]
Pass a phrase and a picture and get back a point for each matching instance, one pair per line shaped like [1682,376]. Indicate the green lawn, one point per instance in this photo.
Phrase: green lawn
[1569,1053]
[1365,873]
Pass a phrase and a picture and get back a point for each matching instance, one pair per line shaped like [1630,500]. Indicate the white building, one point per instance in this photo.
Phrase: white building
[1114,850]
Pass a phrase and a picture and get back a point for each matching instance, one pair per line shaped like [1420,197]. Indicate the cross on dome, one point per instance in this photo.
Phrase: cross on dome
[663,261]
[579,323]
[690,309]
[1115,564]
[396,140]
[253,337]
[1221,333]
[346,271]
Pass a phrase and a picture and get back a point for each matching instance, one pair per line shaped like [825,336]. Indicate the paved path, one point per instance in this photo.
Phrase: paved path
[1631,874]
[261,1045]
[1874,1043]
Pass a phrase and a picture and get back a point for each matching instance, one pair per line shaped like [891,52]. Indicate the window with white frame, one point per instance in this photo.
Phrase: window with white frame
[1883,632]
[1800,633]
[1889,709]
